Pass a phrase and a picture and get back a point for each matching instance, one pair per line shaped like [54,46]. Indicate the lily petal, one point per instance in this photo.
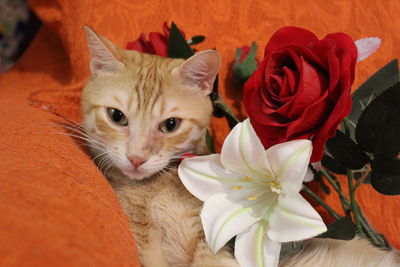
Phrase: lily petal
[242,152]
[225,215]
[294,219]
[366,47]
[289,161]
[204,176]
[254,248]
[309,176]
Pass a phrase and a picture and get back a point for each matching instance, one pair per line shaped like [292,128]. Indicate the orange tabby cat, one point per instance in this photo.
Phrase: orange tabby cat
[141,113]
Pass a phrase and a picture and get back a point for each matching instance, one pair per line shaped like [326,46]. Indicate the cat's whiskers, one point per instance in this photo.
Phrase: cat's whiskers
[84,133]
[167,173]
[104,162]
[110,165]
[81,132]
[99,155]
[87,139]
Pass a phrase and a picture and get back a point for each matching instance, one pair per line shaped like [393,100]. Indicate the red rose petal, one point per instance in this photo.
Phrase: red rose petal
[291,80]
[311,118]
[339,112]
[345,74]
[345,42]
[310,55]
[289,35]
[265,95]
[166,29]
[323,49]
[159,43]
[133,46]
[311,87]
[334,71]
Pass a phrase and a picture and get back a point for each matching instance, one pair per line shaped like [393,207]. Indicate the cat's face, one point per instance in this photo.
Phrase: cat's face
[144,111]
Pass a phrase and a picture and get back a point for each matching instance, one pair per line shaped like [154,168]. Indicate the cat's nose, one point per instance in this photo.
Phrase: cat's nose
[136,161]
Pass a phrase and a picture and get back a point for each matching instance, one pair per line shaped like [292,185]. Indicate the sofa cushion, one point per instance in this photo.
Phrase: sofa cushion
[56,207]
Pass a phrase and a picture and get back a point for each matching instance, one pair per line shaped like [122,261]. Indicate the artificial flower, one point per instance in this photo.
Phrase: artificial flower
[302,87]
[156,44]
[366,47]
[245,62]
[253,193]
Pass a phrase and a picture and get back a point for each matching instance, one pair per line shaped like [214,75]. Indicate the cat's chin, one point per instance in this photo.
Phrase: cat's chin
[135,175]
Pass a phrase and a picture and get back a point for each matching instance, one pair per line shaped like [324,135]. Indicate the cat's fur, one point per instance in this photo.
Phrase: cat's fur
[163,215]
[149,89]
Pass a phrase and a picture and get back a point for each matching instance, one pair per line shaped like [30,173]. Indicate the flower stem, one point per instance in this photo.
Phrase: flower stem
[361,180]
[320,201]
[353,204]
[343,199]
[376,239]
[220,103]
[366,229]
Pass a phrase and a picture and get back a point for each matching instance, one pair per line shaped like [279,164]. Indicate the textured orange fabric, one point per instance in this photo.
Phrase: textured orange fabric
[56,208]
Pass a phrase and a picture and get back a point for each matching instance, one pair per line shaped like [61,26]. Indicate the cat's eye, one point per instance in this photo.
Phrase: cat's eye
[117,116]
[170,125]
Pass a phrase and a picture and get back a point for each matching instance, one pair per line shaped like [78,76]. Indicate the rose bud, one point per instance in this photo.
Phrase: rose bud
[245,62]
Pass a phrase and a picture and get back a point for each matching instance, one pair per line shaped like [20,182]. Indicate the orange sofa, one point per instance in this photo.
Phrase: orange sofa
[56,208]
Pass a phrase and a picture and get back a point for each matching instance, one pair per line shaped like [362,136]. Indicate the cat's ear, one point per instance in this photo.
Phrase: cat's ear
[200,70]
[102,54]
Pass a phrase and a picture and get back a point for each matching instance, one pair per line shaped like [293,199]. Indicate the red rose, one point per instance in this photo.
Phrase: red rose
[302,87]
[157,43]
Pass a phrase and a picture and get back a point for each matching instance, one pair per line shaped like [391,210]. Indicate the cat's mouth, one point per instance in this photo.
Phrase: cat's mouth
[135,174]
[145,171]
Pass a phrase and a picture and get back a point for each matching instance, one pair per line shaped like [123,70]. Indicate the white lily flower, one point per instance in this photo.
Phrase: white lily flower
[253,194]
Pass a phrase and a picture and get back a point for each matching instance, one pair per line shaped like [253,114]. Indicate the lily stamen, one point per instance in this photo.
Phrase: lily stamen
[237,187]
[247,179]
[275,187]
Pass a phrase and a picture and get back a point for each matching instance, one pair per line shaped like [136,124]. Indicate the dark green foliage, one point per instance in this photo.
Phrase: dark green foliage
[332,165]
[376,84]
[346,152]
[342,229]
[177,45]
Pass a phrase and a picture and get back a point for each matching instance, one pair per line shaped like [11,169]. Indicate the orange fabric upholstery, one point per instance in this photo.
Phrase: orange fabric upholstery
[56,209]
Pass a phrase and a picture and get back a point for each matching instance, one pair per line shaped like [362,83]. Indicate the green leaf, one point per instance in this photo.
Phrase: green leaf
[385,177]
[243,70]
[388,141]
[177,45]
[196,39]
[289,249]
[209,142]
[332,165]
[378,129]
[342,229]
[346,151]
[376,84]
